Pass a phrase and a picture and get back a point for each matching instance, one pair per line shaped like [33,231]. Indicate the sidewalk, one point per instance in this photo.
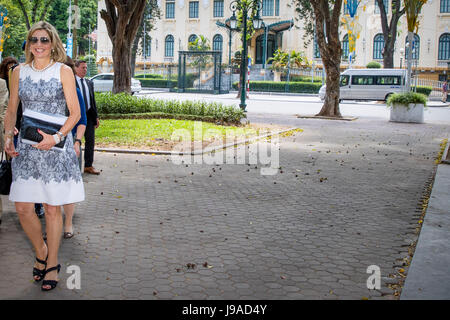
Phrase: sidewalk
[429,277]
[434,103]
[343,199]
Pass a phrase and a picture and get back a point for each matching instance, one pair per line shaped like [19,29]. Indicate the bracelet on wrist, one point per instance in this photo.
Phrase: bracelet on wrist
[78,140]
[61,136]
[56,138]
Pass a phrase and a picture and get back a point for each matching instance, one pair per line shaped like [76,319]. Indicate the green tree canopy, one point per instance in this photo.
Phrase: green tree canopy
[59,16]
[17,31]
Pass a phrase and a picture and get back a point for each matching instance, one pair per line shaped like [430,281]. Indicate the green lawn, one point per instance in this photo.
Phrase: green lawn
[157,132]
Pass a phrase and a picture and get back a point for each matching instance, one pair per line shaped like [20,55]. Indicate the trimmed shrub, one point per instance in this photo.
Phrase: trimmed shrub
[373,65]
[406,99]
[124,104]
[294,87]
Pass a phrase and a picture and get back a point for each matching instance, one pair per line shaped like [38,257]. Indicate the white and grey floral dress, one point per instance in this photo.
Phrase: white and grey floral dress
[39,176]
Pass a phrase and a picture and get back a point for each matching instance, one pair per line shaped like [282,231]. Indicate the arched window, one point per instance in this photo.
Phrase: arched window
[444,47]
[169,44]
[416,47]
[148,47]
[192,38]
[345,48]
[217,42]
[445,6]
[378,45]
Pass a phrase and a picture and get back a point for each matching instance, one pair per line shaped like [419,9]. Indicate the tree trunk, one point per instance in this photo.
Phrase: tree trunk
[122,65]
[327,25]
[389,30]
[331,106]
[388,55]
[122,19]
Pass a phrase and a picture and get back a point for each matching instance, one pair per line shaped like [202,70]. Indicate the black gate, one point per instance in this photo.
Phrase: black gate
[200,71]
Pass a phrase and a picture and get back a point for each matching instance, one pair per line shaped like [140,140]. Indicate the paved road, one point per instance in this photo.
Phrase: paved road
[305,105]
[345,198]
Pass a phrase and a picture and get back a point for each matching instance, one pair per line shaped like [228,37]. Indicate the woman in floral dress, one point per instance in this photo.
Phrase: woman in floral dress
[41,173]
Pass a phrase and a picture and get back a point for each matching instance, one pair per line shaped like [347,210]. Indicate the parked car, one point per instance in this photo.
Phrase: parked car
[103,82]
[369,84]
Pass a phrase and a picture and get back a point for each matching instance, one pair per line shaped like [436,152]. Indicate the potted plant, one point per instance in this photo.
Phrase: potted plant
[279,63]
[407,107]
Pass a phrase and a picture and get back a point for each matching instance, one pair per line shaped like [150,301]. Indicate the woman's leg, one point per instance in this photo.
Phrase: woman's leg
[68,212]
[33,229]
[53,220]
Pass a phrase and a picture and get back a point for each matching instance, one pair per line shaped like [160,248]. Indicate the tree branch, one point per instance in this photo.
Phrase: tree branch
[136,18]
[109,24]
[34,11]
[44,13]
[25,14]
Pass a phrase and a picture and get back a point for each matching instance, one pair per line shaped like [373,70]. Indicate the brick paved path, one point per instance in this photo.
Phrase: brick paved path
[287,236]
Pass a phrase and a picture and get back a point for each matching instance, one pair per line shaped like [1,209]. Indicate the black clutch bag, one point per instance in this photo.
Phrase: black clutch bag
[5,176]
[32,121]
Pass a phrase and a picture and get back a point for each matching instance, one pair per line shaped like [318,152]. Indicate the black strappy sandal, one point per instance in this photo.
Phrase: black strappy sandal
[51,283]
[39,273]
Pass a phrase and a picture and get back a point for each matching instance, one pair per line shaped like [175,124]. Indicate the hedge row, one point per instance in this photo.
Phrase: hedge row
[160,115]
[423,90]
[272,86]
[124,104]
[302,87]
[297,78]
[149,76]
[159,82]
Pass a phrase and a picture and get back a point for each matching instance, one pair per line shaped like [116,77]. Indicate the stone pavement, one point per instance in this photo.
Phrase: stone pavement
[348,196]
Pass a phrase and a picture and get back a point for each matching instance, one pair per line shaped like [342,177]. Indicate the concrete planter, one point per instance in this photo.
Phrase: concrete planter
[402,113]
[277,76]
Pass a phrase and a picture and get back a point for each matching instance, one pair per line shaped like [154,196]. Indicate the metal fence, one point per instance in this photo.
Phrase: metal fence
[166,76]
[157,75]
[436,86]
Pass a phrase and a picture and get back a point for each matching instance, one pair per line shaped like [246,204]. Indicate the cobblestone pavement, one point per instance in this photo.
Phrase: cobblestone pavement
[345,198]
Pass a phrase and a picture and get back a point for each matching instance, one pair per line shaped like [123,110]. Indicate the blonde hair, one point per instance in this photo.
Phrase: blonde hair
[58,52]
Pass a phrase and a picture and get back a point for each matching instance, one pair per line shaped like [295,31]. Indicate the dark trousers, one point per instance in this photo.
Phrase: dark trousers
[89,144]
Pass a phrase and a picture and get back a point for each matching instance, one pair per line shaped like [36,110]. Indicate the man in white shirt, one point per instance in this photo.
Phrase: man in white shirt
[87,90]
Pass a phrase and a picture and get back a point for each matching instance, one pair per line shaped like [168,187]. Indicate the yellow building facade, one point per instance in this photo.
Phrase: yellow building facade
[183,20]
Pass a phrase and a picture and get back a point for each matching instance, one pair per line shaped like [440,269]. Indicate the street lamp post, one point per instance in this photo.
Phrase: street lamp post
[402,52]
[245,8]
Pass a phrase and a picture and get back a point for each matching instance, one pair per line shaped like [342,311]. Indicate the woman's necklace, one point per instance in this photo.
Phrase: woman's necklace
[41,70]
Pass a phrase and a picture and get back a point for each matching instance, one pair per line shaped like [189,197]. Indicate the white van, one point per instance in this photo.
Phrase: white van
[369,84]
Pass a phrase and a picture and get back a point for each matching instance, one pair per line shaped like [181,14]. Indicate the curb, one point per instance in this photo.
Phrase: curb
[326,118]
[200,152]
[446,154]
